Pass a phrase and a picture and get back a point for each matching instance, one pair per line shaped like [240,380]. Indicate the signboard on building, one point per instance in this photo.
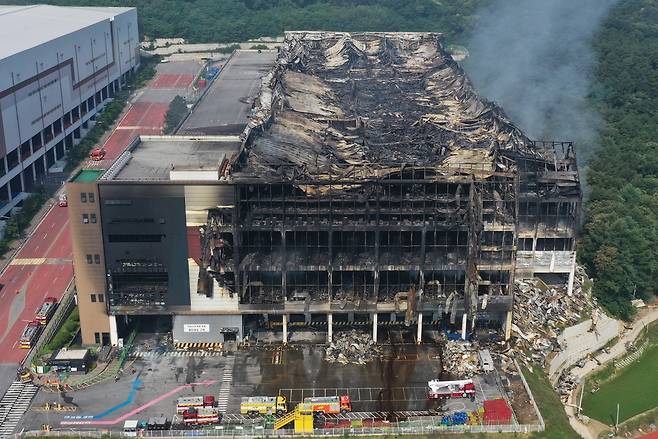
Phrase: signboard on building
[196,327]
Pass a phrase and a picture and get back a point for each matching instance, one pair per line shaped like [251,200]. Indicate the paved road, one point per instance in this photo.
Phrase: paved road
[43,267]
[577,342]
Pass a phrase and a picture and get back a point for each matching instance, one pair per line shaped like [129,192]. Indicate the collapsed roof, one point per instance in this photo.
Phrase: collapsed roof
[359,105]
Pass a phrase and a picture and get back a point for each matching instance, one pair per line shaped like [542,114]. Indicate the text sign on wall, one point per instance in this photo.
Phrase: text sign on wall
[196,327]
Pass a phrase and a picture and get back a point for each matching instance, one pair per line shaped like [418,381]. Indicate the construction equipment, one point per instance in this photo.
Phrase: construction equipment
[97,154]
[46,311]
[24,375]
[186,402]
[201,416]
[437,389]
[330,404]
[263,405]
[302,416]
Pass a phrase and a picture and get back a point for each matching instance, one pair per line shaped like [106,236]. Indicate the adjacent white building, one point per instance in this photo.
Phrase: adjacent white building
[58,68]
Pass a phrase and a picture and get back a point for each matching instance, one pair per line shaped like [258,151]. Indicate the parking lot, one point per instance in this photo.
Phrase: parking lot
[156,376]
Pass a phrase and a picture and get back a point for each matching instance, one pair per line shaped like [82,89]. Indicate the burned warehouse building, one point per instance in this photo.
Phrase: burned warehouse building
[370,184]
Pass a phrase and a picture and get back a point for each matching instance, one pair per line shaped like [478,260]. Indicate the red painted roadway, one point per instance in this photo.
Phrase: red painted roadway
[26,282]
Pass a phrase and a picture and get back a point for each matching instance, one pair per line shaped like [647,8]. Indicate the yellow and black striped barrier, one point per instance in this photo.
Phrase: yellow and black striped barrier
[215,346]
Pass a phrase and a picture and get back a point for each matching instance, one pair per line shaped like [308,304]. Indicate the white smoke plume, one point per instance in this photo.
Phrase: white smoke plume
[535,59]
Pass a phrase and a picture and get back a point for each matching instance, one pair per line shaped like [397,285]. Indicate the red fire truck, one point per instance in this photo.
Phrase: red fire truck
[46,311]
[30,334]
[184,403]
[437,389]
[330,404]
[201,416]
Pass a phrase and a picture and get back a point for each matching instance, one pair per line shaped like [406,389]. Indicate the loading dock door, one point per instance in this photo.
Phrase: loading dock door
[230,334]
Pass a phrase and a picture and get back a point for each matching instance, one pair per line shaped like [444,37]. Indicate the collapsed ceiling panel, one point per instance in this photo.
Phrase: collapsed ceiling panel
[359,105]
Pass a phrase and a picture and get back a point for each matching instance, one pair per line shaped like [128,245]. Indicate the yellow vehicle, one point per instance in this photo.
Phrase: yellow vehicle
[263,405]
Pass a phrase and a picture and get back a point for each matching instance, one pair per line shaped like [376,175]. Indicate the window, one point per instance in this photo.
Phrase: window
[136,238]
[93,218]
[97,337]
[85,218]
[89,259]
[101,298]
[93,298]
[97,259]
[90,196]
[83,197]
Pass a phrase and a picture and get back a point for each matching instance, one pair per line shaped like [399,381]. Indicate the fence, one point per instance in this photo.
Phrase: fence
[256,431]
[541,425]
[65,307]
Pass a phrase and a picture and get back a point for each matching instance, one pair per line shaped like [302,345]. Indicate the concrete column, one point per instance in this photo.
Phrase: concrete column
[285,329]
[508,325]
[464,320]
[572,274]
[330,327]
[114,337]
[419,333]
[374,327]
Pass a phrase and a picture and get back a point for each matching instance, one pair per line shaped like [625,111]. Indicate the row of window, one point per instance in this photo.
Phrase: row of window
[89,217]
[93,259]
[87,197]
[102,337]
[97,298]
[48,133]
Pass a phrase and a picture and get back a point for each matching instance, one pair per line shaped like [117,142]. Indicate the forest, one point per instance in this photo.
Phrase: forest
[619,243]
[222,21]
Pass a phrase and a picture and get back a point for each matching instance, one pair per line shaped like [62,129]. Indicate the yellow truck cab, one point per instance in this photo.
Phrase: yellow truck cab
[263,405]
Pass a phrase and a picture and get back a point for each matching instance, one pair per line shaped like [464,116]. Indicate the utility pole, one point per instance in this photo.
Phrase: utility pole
[617,419]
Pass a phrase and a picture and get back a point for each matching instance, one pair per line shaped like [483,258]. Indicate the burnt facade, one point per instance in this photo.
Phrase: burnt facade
[371,182]
[374,179]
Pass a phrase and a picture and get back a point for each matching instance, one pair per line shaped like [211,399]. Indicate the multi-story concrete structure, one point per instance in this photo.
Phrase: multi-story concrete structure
[372,184]
[58,67]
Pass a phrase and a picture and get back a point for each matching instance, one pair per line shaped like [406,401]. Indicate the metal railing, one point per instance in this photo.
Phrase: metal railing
[65,307]
[258,431]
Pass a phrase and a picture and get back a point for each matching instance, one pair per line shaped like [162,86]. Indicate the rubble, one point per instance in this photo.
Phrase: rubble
[541,312]
[352,347]
[460,359]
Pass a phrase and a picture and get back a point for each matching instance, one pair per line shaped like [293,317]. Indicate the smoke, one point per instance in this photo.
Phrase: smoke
[534,58]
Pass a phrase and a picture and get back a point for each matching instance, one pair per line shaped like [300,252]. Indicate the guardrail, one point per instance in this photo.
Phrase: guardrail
[66,305]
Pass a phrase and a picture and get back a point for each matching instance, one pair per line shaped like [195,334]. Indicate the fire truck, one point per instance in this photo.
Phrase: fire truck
[330,404]
[30,334]
[46,311]
[437,389]
[263,405]
[201,416]
[184,403]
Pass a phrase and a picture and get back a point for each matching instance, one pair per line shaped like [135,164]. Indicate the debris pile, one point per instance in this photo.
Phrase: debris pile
[352,347]
[540,312]
[460,359]
[565,385]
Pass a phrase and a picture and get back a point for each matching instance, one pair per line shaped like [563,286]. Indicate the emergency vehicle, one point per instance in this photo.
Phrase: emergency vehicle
[46,311]
[263,405]
[437,389]
[30,335]
[184,403]
[330,404]
[201,416]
